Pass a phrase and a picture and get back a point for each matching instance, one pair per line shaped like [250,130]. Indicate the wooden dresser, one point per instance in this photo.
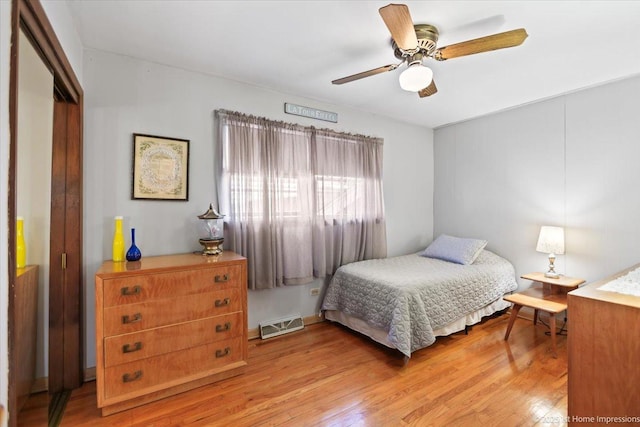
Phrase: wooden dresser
[603,351]
[167,324]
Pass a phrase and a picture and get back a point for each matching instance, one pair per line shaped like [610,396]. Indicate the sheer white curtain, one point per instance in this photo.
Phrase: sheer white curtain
[349,223]
[299,202]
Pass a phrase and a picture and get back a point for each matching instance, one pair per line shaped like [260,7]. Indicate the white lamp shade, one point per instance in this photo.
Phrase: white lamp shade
[416,78]
[551,240]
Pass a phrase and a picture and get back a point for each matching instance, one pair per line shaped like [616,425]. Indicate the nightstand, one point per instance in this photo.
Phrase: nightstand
[550,297]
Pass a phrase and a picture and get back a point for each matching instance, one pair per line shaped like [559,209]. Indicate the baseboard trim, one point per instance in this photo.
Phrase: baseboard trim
[90,374]
[309,320]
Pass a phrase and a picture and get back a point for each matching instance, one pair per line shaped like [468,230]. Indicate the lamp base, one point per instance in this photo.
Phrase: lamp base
[552,268]
[211,246]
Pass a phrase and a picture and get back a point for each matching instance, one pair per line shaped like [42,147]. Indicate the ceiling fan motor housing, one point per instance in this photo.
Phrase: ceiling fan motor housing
[427,36]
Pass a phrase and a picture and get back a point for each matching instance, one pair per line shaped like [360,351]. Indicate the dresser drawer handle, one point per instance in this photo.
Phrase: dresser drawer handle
[127,378]
[127,348]
[223,328]
[223,302]
[136,318]
[221,279]
[223,353]
[135,291]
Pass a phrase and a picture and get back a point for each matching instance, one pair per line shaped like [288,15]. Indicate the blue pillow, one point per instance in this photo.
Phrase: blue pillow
[455,249]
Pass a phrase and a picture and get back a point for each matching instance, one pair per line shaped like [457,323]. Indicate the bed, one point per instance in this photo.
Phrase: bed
[404,302]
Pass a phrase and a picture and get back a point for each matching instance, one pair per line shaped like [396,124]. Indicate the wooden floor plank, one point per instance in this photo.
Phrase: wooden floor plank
[327,375]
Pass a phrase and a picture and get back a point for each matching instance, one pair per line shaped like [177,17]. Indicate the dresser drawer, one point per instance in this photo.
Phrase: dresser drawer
[153,342]
[174,368]
[140,288]
[122,319]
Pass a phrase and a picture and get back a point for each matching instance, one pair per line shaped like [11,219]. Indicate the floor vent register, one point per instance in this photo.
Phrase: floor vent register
[273,328]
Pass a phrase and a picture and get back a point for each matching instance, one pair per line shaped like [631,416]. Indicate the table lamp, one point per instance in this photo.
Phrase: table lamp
[551,241]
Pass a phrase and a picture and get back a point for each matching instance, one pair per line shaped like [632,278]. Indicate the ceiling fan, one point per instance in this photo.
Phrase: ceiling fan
[412,44]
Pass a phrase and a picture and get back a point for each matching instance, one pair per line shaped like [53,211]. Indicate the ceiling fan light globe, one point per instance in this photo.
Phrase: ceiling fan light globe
[415,78]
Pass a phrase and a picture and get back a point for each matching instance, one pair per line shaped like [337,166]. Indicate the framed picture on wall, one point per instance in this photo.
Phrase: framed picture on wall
[160,168]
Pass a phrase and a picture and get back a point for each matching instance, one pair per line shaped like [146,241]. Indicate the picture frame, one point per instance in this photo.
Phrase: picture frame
[160,168]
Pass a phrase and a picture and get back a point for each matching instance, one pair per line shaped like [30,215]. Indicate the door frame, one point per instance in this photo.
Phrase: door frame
[66,321]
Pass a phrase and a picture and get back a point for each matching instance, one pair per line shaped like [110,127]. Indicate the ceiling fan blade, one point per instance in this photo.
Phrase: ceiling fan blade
[429,90]
[483,44]
[400,25]
[365,74]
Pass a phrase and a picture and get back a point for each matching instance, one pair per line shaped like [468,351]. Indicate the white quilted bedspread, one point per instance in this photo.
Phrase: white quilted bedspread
[410,296]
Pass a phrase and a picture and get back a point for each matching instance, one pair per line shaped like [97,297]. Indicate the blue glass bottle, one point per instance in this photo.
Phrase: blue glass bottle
[133,254]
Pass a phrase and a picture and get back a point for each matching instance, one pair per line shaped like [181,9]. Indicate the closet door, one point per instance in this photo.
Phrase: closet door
[65,290]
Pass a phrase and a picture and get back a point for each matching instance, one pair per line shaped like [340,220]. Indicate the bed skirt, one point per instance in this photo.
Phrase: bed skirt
[380,335]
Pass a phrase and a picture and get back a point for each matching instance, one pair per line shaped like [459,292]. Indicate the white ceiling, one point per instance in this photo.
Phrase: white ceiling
[299,47]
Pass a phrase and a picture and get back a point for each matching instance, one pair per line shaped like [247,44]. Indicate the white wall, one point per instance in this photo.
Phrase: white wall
[125,96]
[502,176]
[5,48]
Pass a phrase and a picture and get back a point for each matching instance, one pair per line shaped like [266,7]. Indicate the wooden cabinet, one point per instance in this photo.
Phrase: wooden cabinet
[603,349]
[24,342]
[168,324]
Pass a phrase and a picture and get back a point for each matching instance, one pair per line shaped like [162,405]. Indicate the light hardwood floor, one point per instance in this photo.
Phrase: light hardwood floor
[326,375]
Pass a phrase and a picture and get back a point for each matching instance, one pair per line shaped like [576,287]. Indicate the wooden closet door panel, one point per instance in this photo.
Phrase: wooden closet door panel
[57,247]
[65,262]
[73,295]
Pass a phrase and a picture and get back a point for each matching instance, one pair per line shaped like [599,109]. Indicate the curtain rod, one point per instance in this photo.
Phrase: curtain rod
[227,113]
